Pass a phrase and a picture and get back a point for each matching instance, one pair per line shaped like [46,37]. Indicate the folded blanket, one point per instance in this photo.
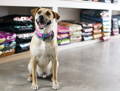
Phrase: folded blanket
[25,35]
[88,38]
[90,18]
[62,36]
[87,25]
[106,30]
[63,41]
[97,26]
[7,37]
[7,52]
[96,31]
[22,47]
[75,39]
[97,36]
[2,40]
[16,23]
[22,40]
[87,29]
[75,28]
[115,32]
[106,34]
[86,33]
[78,33]
[64,23]
[15,29]
[7,46]
[12,18]
[63,29]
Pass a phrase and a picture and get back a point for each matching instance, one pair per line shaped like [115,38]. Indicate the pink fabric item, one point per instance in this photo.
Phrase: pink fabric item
[8,36]
[63,29]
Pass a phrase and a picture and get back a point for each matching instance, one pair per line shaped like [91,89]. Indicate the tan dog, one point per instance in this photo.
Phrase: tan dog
[44,61]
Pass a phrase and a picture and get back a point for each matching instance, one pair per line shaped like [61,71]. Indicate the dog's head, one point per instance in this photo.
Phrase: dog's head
[44,17]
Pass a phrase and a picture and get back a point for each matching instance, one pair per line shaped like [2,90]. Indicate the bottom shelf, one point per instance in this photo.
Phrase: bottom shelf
[77,44]
[26,54]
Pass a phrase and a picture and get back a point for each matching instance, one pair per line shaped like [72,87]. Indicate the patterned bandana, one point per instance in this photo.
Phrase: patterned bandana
[45,36]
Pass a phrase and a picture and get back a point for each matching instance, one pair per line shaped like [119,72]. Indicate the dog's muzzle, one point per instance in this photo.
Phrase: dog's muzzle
[42,22]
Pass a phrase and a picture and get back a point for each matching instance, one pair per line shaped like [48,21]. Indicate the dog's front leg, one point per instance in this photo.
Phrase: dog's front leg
[34,74]
[55,65]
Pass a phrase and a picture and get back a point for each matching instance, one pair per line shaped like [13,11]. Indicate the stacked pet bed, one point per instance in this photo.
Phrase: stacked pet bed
[74,30]
[92,24]
[87,31]
[22,25]
[7,43]
[115,26]
[90,16]
[63,36]
[75,33]
[97,31]
[106,25]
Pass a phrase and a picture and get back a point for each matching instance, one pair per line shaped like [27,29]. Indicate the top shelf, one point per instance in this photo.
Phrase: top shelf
[60,4]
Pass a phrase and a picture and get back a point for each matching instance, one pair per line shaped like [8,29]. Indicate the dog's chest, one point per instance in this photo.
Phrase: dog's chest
[41,48]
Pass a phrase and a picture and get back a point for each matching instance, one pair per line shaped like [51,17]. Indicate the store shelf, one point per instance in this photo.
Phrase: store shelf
[60,4]
[84,5]
[88,5]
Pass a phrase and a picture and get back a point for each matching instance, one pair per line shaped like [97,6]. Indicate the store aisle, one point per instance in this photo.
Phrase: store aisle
[90,68]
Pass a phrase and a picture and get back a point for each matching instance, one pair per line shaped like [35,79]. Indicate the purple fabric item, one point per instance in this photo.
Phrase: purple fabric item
[8,36]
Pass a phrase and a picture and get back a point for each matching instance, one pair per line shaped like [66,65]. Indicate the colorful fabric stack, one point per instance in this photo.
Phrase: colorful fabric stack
[106,25]
[22,25]
[7,43]
[117,23]
[97,31]
[87,32]
[63,35]
[75,33]
[115,26]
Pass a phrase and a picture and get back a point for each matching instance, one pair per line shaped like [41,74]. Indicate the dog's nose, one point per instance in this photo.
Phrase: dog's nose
[41,17]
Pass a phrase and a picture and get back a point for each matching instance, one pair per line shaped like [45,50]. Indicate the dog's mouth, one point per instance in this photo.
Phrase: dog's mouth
[43,25]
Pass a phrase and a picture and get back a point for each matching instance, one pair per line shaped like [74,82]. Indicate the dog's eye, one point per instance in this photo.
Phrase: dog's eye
[39,12]
[48,13]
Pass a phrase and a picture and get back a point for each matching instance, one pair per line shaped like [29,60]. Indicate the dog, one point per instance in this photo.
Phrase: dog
[43,48]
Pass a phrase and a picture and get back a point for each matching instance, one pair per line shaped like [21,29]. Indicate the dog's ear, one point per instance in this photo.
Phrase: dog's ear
[55,15]
[33,11]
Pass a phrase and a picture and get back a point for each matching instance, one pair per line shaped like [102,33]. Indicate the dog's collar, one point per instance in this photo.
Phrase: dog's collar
[45,36]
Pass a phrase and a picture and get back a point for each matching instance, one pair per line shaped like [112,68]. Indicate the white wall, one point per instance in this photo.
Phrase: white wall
[116,12]
[14,10]
[69,14]
[3,11]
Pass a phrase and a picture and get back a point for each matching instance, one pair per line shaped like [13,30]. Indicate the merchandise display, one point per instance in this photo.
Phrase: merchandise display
[87,31]
[106,29]
[22,26]
[7,43]
[97,31]
[63,35]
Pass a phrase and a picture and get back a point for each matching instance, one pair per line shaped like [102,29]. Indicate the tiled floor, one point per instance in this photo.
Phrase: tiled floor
[90,68]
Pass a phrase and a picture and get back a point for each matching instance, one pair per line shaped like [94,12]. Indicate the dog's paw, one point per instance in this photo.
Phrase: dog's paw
[55,85]
[44,76]
[34,86]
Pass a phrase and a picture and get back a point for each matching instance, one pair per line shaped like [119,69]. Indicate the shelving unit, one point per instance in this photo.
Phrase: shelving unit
[57,5]
[61,4]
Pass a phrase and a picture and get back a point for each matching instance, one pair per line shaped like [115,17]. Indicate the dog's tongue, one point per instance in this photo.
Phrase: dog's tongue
[41,25]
